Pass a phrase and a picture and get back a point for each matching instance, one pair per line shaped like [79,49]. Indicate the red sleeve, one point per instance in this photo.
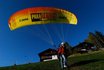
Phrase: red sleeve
[59,50]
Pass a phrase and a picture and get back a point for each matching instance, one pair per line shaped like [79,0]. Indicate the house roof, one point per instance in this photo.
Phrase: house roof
[48,52]
[83,44]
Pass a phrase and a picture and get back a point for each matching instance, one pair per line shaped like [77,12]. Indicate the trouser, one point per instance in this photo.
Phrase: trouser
[63,61]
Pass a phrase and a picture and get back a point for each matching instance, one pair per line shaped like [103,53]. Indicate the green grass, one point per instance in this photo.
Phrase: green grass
[90,61]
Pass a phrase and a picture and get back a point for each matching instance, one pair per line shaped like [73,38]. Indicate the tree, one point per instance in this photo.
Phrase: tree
[100,37]
[68,50]
[92,38]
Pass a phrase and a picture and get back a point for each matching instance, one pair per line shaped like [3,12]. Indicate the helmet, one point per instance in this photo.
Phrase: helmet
[62,43]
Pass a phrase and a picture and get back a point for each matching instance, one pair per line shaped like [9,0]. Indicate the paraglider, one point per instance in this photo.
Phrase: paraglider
[40,15]
[43,15]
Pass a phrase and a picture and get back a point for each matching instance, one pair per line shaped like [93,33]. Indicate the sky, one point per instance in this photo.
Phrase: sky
[23,45]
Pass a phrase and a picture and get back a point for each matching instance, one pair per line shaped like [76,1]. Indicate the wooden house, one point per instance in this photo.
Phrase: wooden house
[47,55]
[83,47]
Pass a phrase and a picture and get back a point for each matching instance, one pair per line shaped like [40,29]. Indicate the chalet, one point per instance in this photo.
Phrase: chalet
[83,47]
[47,55]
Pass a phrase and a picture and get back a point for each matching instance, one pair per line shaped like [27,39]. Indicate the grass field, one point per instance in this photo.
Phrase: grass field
[89,61]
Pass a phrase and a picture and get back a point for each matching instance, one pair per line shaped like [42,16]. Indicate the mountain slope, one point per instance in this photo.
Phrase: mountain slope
[90,61]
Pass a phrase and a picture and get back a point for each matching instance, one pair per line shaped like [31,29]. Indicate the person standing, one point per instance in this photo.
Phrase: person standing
[61,55]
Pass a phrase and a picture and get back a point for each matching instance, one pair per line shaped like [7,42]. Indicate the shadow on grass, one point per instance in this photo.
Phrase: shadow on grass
[85,62]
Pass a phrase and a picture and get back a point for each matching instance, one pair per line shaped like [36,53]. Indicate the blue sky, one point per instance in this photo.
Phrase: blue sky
[23,45]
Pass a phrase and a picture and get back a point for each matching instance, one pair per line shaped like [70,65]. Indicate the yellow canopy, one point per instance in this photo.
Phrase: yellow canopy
[40,15]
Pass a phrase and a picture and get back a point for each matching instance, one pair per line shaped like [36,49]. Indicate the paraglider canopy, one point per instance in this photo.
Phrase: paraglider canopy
[40,15]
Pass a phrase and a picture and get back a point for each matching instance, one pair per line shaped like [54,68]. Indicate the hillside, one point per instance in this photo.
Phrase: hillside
[90,61]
